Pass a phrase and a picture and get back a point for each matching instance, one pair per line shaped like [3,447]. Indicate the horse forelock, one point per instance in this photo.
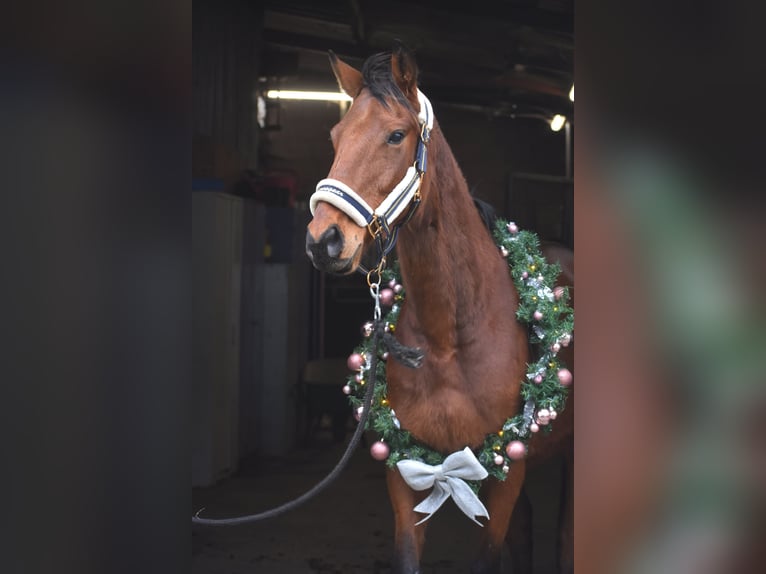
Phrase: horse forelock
[377,76]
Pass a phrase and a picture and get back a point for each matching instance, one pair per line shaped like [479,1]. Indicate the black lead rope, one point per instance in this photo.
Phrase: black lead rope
[325,482]
[410,357]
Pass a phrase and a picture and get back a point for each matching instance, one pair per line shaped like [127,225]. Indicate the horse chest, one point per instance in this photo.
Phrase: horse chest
[445,416]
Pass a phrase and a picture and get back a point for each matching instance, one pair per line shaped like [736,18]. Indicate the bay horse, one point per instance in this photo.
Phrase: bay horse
[461,301]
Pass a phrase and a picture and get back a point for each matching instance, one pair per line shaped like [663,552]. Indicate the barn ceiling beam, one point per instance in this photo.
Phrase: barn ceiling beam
[429,63]
[509,12]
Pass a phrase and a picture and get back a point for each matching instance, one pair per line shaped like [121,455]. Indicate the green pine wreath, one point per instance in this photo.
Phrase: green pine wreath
[545,387]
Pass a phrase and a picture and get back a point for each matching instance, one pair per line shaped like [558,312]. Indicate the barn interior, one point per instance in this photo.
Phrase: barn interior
[271,334]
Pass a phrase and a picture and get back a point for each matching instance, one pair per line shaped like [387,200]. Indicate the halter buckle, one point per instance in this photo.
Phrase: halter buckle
[425,133]
[375,226]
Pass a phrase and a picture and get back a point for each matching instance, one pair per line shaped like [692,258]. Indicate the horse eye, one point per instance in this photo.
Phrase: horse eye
[396,137]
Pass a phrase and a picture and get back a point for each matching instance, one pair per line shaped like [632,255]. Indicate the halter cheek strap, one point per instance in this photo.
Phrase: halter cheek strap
[405,194]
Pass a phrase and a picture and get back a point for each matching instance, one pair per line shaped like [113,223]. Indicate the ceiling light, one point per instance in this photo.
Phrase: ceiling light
[557,122]
[571,93]
[301,95]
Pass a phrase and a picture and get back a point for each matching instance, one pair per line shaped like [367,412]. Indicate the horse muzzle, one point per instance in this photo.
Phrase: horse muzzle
[325,252]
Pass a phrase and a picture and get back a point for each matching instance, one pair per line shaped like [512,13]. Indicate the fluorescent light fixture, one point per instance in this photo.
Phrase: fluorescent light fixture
[557,122]
[301,95]
[571,93]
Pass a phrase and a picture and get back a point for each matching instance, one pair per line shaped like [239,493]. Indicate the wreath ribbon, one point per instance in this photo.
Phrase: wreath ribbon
[448,480]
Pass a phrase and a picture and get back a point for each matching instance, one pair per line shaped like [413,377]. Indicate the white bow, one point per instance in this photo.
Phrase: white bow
[448,479]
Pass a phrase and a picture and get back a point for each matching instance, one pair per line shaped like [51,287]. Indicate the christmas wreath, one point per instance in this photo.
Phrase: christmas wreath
[544,389]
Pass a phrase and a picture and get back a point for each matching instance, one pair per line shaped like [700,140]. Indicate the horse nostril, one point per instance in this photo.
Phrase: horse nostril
[328,246]
[333,241]
[311,245]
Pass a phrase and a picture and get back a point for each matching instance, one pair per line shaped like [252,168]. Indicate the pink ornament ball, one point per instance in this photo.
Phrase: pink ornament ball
[387,297]
[565,377]
[565,339]
[556,347]
[533,427]
[503,251]
[355,361]
[512,227]
[384,356]
[516,450]
[398,288]
[524,275]
[499,460]
[538,316]
[367,329]
[543,416]
[554,414]
[359,378]
[379,450]
[346,390]
[358,413]
[558,292]
[392,283]
[538,379]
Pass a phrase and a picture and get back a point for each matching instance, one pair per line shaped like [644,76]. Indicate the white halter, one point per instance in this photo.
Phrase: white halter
[340,195]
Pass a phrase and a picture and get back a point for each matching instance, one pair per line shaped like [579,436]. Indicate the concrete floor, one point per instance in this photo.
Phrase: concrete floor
[348,528]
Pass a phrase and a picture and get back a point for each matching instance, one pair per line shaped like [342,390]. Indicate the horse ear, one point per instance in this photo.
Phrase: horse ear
[349,78]
[405,71]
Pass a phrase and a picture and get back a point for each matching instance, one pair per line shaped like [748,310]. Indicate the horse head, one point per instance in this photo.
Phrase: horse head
[375,144]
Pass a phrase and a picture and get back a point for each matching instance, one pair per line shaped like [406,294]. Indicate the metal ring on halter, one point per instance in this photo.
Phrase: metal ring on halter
[378,271]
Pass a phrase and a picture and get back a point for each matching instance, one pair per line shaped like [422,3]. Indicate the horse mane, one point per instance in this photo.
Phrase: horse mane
[487,213]
[377,76]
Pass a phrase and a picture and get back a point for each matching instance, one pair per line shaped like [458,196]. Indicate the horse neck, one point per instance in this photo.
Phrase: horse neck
[445,253]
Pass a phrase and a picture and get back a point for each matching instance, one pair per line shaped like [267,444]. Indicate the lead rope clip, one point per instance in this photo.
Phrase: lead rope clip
[374,277]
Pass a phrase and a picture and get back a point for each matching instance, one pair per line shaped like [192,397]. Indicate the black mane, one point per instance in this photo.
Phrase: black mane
[487,213]
[377,76]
